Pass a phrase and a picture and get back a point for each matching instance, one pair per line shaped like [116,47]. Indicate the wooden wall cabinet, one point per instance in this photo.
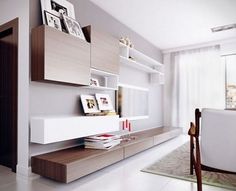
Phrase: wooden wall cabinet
[104,50]
[59,57]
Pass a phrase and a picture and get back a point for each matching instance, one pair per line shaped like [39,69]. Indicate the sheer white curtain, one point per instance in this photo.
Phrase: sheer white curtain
[198,82]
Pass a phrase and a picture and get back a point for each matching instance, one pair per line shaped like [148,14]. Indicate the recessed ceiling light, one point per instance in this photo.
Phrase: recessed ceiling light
[223,28]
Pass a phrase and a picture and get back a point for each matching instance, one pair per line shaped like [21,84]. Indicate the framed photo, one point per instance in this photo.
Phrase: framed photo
[53,21]
[94,82]
[104,102]
[73,27]
[57,8]
[89,104]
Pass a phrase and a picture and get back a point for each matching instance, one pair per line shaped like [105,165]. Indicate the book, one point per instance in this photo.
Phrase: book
[103,137]
[105,141]
[103,147]
[101,143]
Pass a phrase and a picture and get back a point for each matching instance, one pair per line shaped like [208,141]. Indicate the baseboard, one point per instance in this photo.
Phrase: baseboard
[25,172]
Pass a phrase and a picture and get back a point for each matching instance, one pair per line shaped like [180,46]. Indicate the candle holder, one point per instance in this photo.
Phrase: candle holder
[127,131]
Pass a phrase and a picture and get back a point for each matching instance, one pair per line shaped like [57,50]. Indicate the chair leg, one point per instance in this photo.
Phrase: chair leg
[199,177]
[198,168]
[191,155]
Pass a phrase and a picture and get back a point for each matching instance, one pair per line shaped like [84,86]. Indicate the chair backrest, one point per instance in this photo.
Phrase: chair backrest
[218,139]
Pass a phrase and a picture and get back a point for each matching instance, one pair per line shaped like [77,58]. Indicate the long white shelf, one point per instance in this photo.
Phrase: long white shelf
[141,61]
[99,88]
[45,130]
[138,65]
[146,59]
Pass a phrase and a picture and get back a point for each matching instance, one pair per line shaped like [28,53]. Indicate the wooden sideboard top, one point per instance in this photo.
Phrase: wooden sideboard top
[67,156]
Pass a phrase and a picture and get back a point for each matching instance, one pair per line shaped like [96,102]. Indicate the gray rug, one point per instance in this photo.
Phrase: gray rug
[176,165]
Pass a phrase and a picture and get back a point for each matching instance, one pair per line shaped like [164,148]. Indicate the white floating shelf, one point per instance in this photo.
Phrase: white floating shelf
[46,130]
[133,118]
[142,62]
[144,58]
[106,80]
[99,88]
[137,65]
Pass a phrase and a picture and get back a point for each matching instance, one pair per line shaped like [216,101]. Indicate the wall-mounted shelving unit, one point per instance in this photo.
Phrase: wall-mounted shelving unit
[106,80]
[136,59]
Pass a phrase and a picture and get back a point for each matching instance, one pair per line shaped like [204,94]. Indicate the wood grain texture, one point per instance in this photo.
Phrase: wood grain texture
[37,54]
[104,51]
[166,136]
[70,164]
[59,57]
[133,149]
[80,168]
[8,93]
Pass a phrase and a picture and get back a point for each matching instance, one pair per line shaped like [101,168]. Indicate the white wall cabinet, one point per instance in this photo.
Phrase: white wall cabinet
[46,130]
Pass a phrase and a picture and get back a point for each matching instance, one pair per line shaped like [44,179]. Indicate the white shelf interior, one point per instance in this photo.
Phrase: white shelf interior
[134,118]
[143,58]
[136,59]
[107,81]
[45,130]
[137,65]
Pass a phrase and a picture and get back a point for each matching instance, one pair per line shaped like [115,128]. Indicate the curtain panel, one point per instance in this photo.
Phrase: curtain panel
[196,80]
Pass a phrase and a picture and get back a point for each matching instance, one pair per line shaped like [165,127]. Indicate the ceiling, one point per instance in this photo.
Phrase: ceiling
[174,23]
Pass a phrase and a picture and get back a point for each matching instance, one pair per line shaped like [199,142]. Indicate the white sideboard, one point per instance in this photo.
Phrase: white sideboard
[46,130]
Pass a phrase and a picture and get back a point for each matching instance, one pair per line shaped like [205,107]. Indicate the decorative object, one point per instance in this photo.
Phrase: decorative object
[94,82]
[104,141]
[73,27]
[126,41]
[89,104]
[53,21]
[104,102]
[57,7]
[177,165]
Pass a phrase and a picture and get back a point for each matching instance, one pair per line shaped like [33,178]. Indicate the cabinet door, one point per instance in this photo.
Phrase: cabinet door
[104,52]
[59,57]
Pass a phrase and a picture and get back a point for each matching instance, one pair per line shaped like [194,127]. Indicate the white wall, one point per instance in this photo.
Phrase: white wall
[229,47]
[10,9]
[167,89]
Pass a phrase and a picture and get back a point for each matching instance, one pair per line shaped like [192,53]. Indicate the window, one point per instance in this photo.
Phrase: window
[230,65]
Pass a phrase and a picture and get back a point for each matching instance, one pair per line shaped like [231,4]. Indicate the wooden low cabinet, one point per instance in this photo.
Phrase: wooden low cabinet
[59,57]
[104,50]
[70,164]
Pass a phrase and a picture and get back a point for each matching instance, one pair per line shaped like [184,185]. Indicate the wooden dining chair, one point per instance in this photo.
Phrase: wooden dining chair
[213,143]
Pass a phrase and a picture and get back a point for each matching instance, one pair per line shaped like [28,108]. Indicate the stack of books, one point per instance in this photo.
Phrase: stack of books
[105,141]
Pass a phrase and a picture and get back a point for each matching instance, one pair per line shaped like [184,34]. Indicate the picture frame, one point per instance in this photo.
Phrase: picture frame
[89,104]
[94,82]
[104,102]
[53,20]
[57,8]
[73,27]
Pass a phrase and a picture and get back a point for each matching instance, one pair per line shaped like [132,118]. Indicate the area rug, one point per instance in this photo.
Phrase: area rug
[177,165]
